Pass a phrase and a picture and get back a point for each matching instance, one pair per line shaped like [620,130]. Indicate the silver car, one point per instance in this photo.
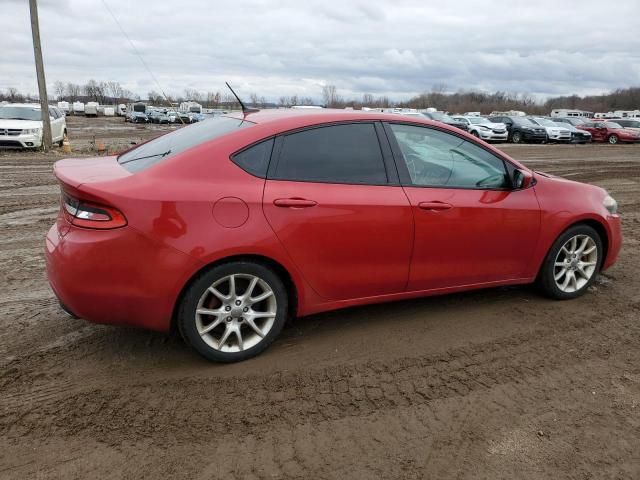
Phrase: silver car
[485,129]
[555,133]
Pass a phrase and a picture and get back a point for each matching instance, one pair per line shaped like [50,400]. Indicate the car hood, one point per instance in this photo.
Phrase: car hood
[23,124]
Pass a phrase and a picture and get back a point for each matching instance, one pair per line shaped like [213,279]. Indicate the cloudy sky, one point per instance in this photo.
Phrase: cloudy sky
[280,47]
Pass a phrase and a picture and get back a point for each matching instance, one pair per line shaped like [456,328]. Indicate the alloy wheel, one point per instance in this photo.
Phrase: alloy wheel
[229,321]
[575,263]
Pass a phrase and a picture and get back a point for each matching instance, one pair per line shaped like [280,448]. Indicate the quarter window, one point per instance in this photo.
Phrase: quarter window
[347,153]
[255,159]
[438,159]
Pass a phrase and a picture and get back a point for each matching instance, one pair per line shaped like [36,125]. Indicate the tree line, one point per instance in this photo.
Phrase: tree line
[112,92]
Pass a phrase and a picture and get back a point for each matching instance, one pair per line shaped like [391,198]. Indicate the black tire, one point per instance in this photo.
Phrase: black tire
[516,137]
[546,281]
[475,134]
[613,139]
[186,316]
[61,142]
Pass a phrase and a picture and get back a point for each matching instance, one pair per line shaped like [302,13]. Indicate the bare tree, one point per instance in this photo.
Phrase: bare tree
[154,97]
[254,99]
[284,102]
[59,89]
[13,95]
[73,91]
[294,100]
[329,94]
[114,90]
[367,100]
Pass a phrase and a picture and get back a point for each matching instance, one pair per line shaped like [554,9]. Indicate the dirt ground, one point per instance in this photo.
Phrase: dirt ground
[500,383]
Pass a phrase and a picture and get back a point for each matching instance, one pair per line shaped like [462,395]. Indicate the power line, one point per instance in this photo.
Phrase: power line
[104,2]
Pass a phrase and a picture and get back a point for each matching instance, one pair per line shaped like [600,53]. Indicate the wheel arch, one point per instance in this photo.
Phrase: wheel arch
[277,267]
[597,225]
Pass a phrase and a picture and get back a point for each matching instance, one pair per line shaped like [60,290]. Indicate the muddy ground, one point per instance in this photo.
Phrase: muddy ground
[492,384]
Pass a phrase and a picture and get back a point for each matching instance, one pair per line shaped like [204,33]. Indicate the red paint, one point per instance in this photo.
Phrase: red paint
[342,245]
[601,132]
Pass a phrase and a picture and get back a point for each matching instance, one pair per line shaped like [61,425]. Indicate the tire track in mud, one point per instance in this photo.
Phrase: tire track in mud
[184,409]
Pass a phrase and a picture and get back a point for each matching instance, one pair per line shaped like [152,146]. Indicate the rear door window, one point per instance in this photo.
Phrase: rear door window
[348,153]
[171,144]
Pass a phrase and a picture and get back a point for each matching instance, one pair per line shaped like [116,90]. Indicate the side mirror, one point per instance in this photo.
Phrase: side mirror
[521,179]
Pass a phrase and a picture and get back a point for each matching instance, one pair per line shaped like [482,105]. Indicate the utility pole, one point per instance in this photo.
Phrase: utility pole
[42,85]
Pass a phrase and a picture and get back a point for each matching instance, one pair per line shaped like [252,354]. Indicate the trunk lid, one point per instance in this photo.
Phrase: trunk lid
[75,172]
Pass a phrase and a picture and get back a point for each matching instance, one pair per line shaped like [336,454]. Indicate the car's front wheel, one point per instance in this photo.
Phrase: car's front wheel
[613,139]
[233,311]
[572,263]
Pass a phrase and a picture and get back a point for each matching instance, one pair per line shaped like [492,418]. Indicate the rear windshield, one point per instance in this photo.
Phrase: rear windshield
[171,144]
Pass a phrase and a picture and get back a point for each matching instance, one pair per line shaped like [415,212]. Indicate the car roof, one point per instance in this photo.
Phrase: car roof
[27,105]
[288,119]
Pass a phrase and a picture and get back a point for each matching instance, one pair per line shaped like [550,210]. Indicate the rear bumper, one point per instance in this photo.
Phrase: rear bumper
[117,277]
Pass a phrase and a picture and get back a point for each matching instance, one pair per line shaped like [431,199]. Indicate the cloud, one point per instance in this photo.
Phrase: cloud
[288,47]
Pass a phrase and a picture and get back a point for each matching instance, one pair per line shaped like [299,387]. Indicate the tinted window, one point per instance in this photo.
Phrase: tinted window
[438,159]
[255,159]
[335,154]
[168,145]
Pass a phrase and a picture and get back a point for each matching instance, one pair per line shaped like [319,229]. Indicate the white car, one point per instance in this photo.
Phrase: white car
[21,125]
[555,133]
[484,128]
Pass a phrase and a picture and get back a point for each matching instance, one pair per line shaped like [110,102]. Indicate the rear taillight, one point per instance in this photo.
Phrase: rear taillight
[91,215]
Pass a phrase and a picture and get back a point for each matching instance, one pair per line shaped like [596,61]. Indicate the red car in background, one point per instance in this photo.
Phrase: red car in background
[226,228]
[610,131]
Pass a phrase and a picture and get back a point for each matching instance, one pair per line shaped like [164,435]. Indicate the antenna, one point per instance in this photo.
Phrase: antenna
[245,109]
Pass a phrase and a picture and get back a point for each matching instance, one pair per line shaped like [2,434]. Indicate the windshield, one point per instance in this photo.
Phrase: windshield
[522,121]
[20,113]
[168,145]
[544,122]
[478,120]
[568,126]
[441,117]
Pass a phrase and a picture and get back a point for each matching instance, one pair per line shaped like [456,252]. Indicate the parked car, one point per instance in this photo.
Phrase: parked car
[21,125]
[158,117]
[172,116]
[575,121]
[555,132]
[521,129]
[482,128]
[611,132]
[629,123]
[211,230]
[577,135]
[137,117]
[446,119]
[185,117]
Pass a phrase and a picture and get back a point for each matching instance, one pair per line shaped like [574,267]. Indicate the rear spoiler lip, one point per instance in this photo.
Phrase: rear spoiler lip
[63,170]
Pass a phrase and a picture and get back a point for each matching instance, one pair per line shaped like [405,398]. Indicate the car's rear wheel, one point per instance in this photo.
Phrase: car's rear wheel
[613,139]
[233,311]
[516,137]
[572,263]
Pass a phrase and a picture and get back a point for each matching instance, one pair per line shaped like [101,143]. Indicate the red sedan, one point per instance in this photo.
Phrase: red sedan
[226,228]
[610,131]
